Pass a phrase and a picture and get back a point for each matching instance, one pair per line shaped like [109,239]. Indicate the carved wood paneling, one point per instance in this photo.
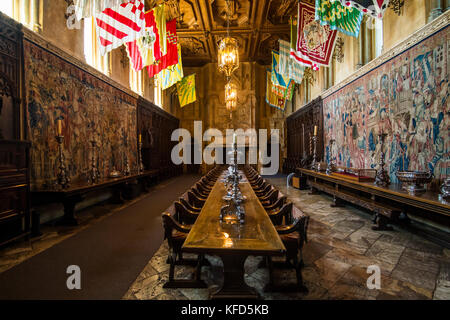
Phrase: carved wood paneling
[156,127]
[299,146]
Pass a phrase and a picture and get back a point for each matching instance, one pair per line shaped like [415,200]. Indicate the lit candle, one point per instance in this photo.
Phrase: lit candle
[140,138]
[315,130]
[59,123]
[234,138]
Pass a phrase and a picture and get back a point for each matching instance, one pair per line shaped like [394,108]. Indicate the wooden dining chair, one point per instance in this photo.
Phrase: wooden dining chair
[176,234]
[294,236]
[277,205]
[184,215]
[284,213]
[198,193]
[189,206]
[194,200]
[270,198]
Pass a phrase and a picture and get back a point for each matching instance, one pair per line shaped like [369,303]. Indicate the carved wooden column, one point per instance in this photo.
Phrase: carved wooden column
[367,44]
[360,46]
[435,10]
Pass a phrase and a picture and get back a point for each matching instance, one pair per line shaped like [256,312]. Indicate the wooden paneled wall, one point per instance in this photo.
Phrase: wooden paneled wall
[300,129]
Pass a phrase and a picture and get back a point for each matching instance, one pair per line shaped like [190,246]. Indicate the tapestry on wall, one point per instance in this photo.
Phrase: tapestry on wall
[314,41]
[343,19]
[408,99]
[90,109]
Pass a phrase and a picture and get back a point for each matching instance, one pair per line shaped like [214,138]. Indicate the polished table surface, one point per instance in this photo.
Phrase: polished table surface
[257,236]
[233,243]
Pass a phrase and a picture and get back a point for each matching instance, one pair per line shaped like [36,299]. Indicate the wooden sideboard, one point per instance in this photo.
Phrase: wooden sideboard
[387,203]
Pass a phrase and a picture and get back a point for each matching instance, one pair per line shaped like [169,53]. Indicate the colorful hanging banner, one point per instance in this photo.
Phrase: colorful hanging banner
[171,58]
[271,98]
[282,85]
[287,66]
[168,77]
[372,8]
[314,40]
[298,57]
[120,24]
[148,49]
[186,90]
[338,17]
[278,78]
[91,8]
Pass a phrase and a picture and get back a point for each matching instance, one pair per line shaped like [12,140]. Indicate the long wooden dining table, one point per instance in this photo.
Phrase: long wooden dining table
[233,243]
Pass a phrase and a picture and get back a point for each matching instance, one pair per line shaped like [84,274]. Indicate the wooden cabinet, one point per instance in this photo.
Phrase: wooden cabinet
[14,152]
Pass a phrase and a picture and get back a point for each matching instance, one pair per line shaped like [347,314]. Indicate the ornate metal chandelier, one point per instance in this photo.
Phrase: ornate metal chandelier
[228,60]
[230,96]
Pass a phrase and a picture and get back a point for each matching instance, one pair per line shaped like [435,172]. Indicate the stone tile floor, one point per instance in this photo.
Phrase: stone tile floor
[341,246]
[15,253]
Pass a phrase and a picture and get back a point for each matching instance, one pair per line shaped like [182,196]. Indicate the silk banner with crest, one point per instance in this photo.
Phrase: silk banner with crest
[314,41]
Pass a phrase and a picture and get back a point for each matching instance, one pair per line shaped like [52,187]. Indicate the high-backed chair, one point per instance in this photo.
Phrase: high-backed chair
[194,200]
[189,206]
[176,234]
[184,215]
[293,235]
[277,205]
[285,213]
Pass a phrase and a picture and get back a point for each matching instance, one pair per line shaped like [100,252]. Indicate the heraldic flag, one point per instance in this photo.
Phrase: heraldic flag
[120,24]
[151,47]
[186,90]
[171,57]
[168,77]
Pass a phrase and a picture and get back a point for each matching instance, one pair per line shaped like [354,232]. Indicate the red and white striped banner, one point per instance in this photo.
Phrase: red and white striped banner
[120,24]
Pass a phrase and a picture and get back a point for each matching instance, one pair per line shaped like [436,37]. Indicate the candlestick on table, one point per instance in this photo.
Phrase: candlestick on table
[63,179]
[59,124]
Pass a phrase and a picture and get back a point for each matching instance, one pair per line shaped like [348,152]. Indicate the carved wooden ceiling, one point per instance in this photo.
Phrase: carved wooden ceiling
[256,24]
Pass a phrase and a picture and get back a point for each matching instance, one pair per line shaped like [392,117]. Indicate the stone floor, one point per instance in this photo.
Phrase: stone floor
[341,246]
[15,253]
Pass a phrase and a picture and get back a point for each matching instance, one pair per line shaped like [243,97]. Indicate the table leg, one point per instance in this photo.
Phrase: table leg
[234,285]
[69,211]
[337,203]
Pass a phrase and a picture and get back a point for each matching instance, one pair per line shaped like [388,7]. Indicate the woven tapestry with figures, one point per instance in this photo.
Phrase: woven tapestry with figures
[406,98]
[90,110]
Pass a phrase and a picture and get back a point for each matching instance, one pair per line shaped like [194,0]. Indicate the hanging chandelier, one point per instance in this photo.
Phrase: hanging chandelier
[228,56]
[228,60]
[230,96]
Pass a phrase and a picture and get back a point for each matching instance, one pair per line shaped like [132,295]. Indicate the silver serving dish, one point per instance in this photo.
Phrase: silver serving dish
[115,174]
[445,189]
[413,181]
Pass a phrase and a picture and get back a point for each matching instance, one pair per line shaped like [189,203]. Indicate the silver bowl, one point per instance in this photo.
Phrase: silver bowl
[413,181]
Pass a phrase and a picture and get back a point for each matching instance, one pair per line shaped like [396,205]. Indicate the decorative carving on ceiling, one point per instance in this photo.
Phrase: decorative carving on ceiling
[281,10]
[237,11]
[193,46]
[201,24]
